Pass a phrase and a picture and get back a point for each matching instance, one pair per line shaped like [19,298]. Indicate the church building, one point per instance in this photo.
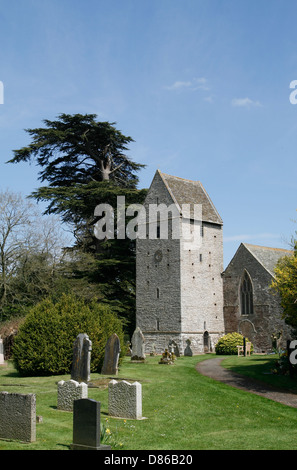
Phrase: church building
[179,286]
[251,307]
[182,292]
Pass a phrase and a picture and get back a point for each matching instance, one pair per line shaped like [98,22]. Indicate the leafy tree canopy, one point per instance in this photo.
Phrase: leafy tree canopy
[285,283]
[85,163]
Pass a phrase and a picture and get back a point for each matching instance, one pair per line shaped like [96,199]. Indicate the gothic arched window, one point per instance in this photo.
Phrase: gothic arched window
[246,295]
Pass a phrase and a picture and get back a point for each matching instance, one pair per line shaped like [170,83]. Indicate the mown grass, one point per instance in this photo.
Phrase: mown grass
[261,368]
[183,409]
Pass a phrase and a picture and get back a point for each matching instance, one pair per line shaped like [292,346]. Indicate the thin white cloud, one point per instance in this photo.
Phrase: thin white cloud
[245,102]
[244,237]
[179,85]
[200,84]
[193,85]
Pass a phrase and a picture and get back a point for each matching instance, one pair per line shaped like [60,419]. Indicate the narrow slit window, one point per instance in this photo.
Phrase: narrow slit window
[158,231]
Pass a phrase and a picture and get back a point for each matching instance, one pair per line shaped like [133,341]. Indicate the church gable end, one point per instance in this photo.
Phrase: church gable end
[250,306]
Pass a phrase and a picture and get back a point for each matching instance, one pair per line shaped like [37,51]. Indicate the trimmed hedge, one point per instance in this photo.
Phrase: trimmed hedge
[228,343]
[44,343]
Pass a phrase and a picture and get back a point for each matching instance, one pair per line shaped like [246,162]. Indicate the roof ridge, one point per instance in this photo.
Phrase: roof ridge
[170,180]
[268,247]
[179,178]
[249,247]
[168,189]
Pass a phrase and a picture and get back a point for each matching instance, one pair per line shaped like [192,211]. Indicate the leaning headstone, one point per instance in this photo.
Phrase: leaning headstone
[18,416]
[111,357]
[81,362]
[68,391]
[86,425]
[125,399]
[1,352]
[138,346]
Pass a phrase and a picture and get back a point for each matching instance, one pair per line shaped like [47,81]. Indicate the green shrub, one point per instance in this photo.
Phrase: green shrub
[228,343]
[44,343]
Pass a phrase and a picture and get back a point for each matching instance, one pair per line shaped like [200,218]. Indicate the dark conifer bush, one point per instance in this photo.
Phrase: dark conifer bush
[44,343]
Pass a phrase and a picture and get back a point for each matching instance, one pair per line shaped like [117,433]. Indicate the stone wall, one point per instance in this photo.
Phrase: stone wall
[158,310]
[179,290]
[202,288]
[266,319]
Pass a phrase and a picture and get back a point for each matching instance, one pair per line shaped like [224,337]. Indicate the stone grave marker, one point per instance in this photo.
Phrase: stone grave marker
[18,416]
[188,351]
[82,346]
[153,351]
[1,351]
[125,399]
[138,346]
[128,348]
[111,357]
[173,348]
[86,425]
[68,391]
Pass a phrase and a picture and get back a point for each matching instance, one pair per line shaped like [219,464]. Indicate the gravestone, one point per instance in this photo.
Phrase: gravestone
[153,351]
[86,425]
[128,348]
[188,351]
[18,416]
[173,348]
[1,351]
[111,357]
[82,346]
[125,399]
[68,391]
[138,346]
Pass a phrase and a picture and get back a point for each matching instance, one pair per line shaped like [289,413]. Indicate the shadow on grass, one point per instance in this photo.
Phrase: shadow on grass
[11,373]
[262,369]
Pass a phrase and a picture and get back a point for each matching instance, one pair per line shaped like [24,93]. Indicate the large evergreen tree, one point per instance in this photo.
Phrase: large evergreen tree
[85,163]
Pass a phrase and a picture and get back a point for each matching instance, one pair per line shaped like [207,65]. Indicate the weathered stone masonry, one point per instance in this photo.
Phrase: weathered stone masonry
[183,293]
[264,319]
[179,291]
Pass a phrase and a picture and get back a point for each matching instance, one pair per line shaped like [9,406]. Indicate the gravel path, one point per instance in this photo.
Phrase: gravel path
[213,369]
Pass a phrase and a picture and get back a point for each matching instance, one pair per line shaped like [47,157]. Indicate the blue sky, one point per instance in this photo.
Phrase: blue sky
[202,86]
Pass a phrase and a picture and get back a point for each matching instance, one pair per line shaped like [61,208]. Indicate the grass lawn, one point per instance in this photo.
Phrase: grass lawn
[184,410]
[260,368]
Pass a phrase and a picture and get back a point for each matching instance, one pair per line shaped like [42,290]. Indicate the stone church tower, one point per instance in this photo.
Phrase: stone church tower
[179,289]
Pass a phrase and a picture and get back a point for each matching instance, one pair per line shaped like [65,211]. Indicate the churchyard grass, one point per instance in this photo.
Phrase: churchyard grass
[182,410]
[261,367]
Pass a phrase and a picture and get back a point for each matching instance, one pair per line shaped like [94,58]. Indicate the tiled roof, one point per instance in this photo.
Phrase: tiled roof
[267,256]
[185,191]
